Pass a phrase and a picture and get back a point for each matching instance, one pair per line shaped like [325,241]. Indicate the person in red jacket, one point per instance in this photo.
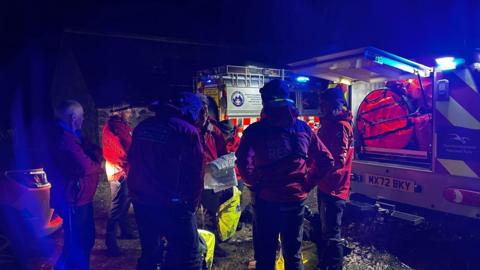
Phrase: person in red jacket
[214,146]
[73,168]
[116,141]
[230,134]
[333,190]
[212,138]
[165,182]
[232,141]
[281,160]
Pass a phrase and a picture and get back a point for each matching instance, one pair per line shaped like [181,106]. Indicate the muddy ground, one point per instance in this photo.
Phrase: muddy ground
[373,243]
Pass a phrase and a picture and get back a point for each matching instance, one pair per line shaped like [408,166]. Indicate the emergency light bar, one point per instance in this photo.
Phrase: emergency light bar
[395,61]
[448,63]
[302,79]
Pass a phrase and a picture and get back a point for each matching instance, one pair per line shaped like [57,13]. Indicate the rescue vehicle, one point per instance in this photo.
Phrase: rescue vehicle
[235,90]
[417,128]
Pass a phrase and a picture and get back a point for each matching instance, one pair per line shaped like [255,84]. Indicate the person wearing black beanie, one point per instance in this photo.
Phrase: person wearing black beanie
[165,183]
[272,159]
[333,190]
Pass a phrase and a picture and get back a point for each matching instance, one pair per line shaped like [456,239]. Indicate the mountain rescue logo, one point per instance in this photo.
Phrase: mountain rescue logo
[458,138]
[238,98]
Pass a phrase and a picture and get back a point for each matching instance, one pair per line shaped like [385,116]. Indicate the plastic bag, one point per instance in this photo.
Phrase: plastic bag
[220,173]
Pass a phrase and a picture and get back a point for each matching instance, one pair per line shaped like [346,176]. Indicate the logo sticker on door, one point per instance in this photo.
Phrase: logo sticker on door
[238,98]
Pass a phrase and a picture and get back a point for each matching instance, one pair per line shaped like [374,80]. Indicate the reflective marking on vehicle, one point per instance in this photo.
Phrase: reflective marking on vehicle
[457,167]
[457,115]
[466,76]
[390,182]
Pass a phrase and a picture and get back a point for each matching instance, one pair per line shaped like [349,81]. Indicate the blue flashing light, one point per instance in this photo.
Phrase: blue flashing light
[209,81]
[302,79]
[444,60]
[448,63]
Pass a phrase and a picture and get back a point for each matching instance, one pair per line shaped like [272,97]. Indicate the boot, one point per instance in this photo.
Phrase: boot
[126,230]
[112,247]
[114,251]
[128,235]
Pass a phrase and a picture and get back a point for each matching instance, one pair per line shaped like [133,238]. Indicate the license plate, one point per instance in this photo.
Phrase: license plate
[390,182]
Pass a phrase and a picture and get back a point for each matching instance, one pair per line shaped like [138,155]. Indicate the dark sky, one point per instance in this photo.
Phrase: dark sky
[127,48]
[278,30]
[284,30]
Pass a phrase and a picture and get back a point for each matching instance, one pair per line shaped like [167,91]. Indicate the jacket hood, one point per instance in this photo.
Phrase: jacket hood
[116,118]
[282,114]
[169,110]
[184,105]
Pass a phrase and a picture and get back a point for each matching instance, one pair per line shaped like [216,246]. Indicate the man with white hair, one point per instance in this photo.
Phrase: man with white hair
[73,167]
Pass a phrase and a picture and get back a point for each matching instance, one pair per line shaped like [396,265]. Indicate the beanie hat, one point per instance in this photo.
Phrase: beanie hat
[274,90]
[189,104]
[333,95]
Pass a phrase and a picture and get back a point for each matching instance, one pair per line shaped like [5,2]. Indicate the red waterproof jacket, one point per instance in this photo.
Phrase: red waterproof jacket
[73,169]
[233,143]
[166,161]
[116,141]
[214,145]
[232,146]
[337,134]
[280,158]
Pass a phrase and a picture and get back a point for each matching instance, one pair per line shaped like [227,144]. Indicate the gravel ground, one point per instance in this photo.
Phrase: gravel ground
[373,243]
